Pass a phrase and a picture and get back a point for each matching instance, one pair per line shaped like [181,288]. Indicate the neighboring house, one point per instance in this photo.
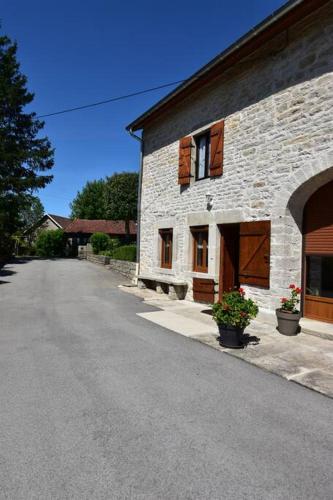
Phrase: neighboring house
[80,230]
[48,221]
[237,169]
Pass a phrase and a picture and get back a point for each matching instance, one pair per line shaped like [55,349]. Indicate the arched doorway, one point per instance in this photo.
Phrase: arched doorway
[318,255]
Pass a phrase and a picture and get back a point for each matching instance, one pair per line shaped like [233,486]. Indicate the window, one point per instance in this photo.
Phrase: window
[166,248]
[200,248]
[319,279]
[202,156]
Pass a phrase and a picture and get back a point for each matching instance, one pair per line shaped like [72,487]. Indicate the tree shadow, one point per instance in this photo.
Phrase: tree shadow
[6,272]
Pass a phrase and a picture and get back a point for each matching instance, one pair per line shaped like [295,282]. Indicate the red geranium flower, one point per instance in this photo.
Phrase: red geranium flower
[241,291]
[292,286]
[284,300]
[298,290]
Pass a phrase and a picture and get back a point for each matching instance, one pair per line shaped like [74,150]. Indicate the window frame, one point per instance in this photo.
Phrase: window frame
[197,139]
[196,230]
[163,233]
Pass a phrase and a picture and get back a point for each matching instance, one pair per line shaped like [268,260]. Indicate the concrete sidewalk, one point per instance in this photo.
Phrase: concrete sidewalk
[305,359]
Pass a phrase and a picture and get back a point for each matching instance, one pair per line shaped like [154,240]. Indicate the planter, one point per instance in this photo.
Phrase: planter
[288,323]
[231,336]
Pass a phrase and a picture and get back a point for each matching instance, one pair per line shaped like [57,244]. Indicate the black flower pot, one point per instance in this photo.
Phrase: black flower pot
[288,323]
[231,336]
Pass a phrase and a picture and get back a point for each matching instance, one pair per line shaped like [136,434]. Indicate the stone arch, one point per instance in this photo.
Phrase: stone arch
[301,184]
[287,221]
[300,196]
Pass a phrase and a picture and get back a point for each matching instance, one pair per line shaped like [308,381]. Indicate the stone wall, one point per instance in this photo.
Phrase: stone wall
[123,267]
[277,105]
[98,259]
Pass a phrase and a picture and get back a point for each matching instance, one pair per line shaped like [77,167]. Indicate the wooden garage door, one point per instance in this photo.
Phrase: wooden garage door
[318,255]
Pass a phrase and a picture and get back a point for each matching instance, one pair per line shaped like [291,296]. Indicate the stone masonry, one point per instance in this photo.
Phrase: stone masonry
[277,105]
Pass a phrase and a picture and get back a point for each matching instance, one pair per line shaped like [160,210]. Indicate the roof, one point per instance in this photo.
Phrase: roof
[290,13]
[60,220]
[116,227]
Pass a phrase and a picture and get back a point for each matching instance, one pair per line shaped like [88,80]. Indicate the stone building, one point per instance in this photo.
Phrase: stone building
[237,169]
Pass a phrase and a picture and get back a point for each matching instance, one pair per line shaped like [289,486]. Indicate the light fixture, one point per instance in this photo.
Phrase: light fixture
[209,200]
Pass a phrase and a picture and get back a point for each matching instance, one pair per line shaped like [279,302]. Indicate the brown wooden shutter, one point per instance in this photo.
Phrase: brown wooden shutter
[216,149]
[203,290]
[184,170]
[254,253]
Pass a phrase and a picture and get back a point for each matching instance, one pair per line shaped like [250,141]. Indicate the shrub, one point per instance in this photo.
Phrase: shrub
[234,309]
[26,250]
[113,244]
[126,252]
[50,243]
[99,242]
[106,253]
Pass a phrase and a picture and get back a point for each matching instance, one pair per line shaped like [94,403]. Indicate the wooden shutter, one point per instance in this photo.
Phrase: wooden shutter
[216,149]
[203,290]
[184,170]
[254,253]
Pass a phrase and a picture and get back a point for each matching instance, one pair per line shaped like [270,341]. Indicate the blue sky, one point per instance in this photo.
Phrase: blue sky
[76,52]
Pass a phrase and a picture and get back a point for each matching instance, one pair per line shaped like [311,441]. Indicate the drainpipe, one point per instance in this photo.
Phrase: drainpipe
[138,230]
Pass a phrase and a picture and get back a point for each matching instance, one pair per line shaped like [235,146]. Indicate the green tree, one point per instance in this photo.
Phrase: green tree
[121,196]
[25,157]
[50,243]
[32,212]
[89,203]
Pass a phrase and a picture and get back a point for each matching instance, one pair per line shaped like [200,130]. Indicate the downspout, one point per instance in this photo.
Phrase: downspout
[138,229]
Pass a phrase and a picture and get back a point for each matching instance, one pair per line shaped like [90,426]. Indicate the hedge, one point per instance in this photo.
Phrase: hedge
[126,252]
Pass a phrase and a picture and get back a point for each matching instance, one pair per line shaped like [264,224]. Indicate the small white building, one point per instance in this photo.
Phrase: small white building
[237,169]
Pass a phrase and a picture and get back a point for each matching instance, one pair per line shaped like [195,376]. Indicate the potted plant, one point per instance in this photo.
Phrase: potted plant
[232,315]
[287,315]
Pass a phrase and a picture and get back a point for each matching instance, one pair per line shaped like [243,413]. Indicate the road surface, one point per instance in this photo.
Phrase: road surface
[98,403]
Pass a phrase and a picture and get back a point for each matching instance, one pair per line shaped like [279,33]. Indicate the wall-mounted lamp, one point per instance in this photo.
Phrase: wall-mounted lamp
[209,200]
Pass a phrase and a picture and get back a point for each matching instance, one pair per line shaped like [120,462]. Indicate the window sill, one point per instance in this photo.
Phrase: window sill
[197,274]
[201,180]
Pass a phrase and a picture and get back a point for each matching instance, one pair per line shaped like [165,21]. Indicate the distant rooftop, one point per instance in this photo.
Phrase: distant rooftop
[115,227]
[59,219]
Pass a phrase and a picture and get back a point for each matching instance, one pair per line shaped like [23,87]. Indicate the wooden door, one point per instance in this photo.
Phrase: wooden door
[254,255]
[318,255]
[229,257]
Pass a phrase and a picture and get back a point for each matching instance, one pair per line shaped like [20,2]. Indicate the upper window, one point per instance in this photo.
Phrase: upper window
[166,248]
[200,248]
[202,156]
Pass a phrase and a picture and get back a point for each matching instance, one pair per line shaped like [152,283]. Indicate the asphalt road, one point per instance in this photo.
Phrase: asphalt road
[97,403]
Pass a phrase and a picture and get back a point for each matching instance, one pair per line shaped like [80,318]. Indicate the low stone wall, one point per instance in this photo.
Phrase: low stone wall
[123,267]
[98,259]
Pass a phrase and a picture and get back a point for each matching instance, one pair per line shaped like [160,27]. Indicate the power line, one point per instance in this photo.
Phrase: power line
[112,99]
